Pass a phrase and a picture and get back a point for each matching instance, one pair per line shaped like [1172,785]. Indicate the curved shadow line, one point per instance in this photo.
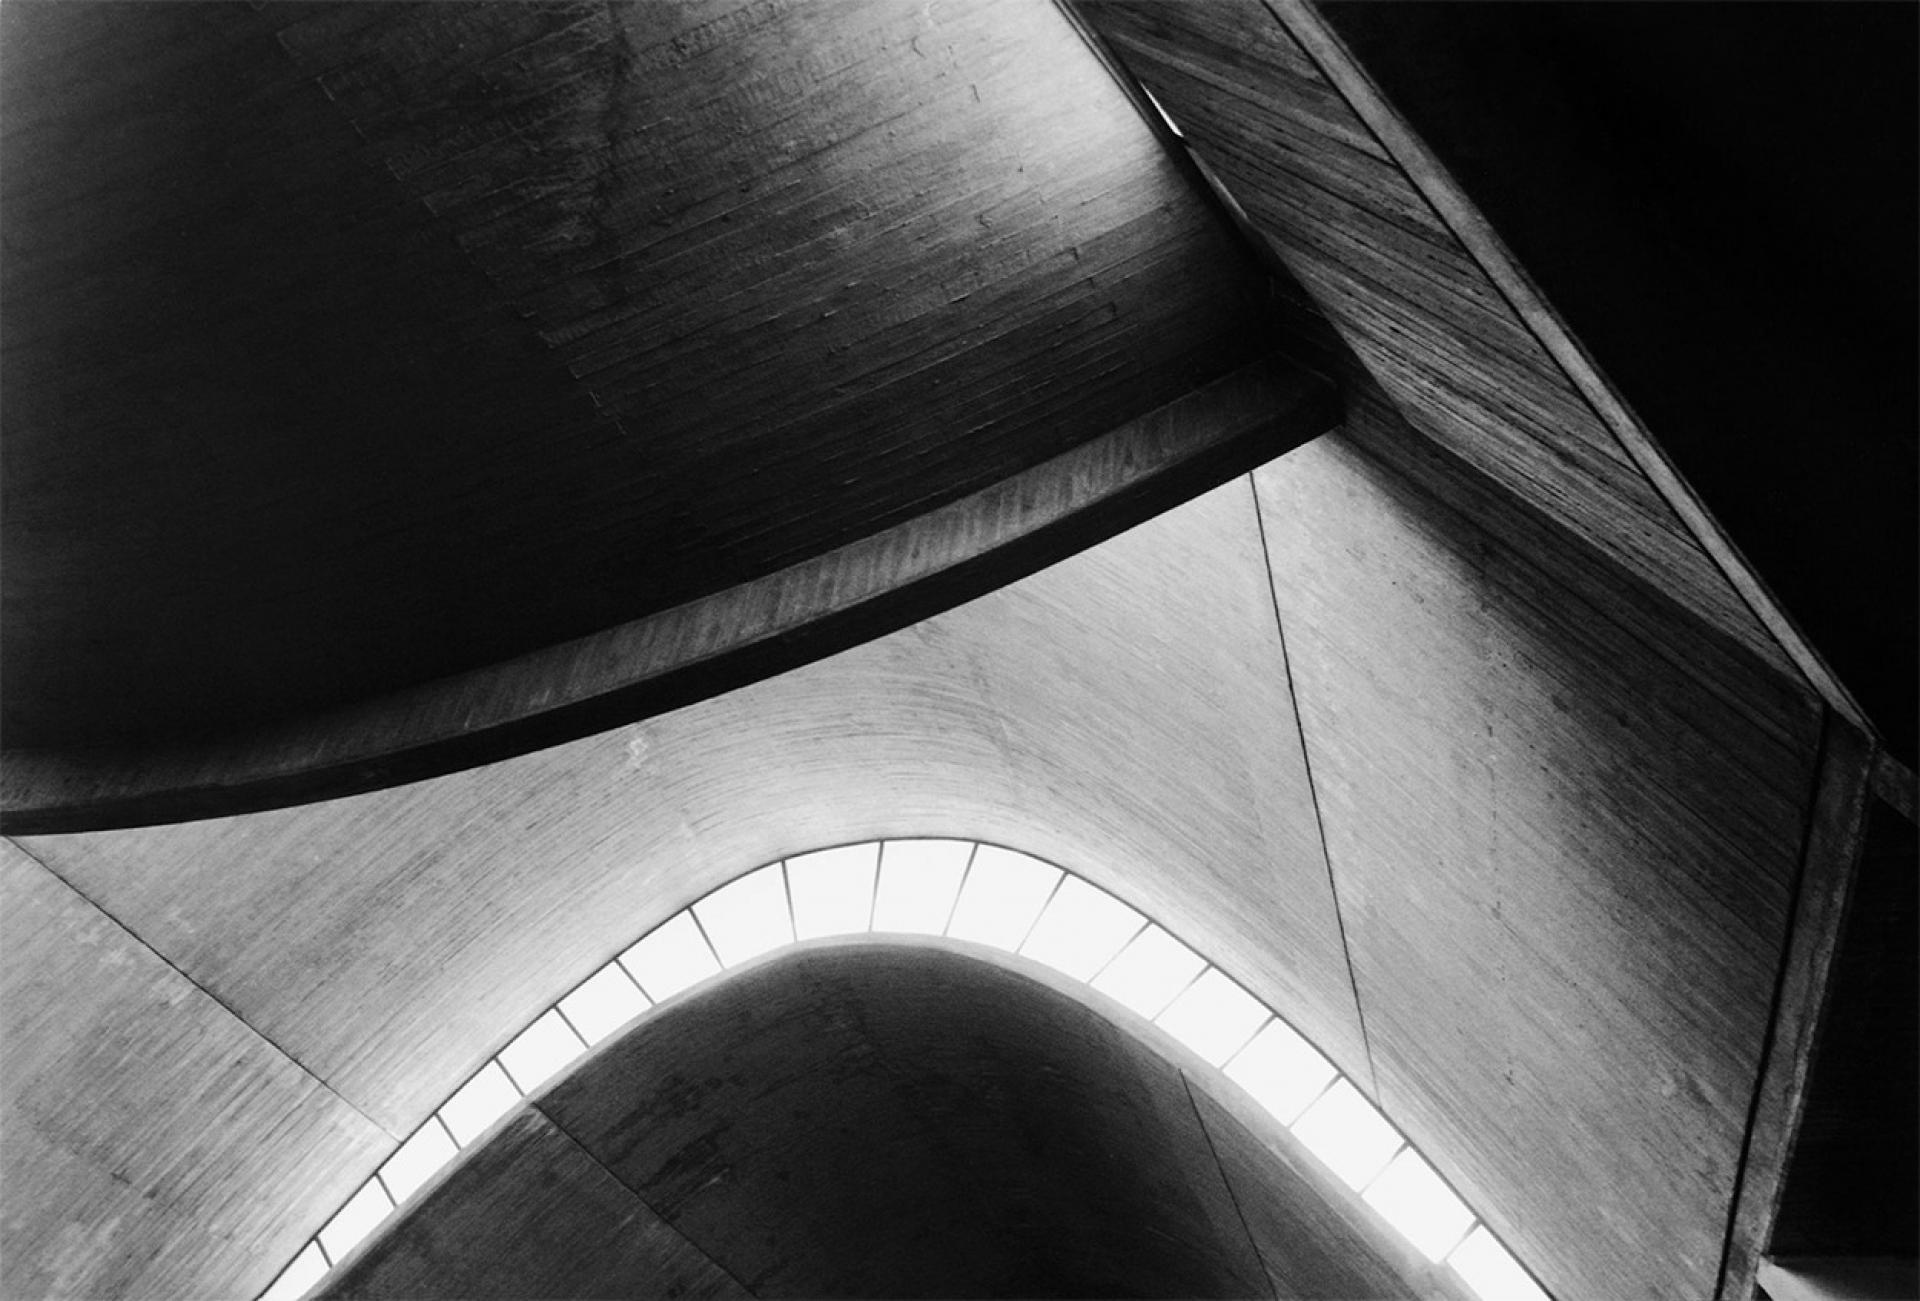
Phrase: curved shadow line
[1146,970]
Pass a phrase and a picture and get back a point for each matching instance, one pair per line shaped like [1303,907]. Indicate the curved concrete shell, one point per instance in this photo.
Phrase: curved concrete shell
[690,436]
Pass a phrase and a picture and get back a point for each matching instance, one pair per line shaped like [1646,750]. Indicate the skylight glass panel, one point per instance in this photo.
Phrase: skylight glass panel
[1346,1133]
[1081,929]
[918,882]
[1149,972]
[481,1101]
[1418,1202]
[604,1002]
[1213,1016]
[832,890]
[1003,894]
[541,1050]
[670,957]
[747,917]
[306,1269]
[1281,1071]
[418,1160]
[1491,1271]
[354,1221]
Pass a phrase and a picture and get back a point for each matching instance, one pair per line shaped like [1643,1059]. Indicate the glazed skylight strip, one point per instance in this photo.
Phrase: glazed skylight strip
[982,894]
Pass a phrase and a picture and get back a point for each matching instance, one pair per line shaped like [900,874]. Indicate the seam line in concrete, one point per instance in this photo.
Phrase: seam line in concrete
[1313,787]
[652,1210]
[1227,1183]
[219,1002]
[1822,760]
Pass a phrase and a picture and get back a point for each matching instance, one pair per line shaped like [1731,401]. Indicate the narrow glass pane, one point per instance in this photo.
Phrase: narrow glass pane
[918,882]
[417,1161]
[1418,1202]
[1345,1132]
[747,917]
[1213,1016]
[832,890]
[354,1221]
[1149,972]
[604,1002]
[481,1101]
[1491,1271]
[1081,929]
[1282,1071]
[308,1268]
[670,957]
[1003,894]
[540,1051]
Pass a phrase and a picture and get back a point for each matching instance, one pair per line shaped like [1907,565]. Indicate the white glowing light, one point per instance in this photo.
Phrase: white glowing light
[832,890]
[1149,972]
[1418,1202]
[1345,1132]
[1282,1071]
[308,1268]
[354,1221]
[987,895]
[1003,894]
[1491,1271]
[670,957]
[918,882]
[541,1050]
[417,1160]
[480,1101]
[1081,929]
[1213,1016]
[604,1002]
[747,917]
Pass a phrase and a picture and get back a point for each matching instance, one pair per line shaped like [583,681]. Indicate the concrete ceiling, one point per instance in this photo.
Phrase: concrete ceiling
[1643,155]
[1011,1141]
[1375,738]
[351,346]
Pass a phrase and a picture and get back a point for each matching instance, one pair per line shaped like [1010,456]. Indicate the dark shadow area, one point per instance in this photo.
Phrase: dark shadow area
[879,1121]
[1852,1185]
[1721,200]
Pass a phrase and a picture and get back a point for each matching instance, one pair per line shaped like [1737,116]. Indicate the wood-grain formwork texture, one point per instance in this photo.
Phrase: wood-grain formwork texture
[1562,820]
[1561,811]
[1015,1140]
[1124,713]
[144,1126]
[349,346]
[1442,336]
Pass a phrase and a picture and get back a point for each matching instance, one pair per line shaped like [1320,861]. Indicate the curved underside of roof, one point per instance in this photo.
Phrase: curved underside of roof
[793,1075]
[354,362]
[887,1120]
[1247,719]
[354,347]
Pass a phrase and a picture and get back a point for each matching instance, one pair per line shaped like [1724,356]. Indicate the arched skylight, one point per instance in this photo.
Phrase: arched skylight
[981,894]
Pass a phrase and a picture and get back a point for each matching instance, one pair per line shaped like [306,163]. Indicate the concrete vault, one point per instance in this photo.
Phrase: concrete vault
[1405,498]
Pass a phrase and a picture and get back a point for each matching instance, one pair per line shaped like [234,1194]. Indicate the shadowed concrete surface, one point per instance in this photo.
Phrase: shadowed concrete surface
[878,1120]
[352,344]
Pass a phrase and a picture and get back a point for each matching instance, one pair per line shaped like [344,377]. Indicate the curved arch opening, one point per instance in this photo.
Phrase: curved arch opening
[999,906]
